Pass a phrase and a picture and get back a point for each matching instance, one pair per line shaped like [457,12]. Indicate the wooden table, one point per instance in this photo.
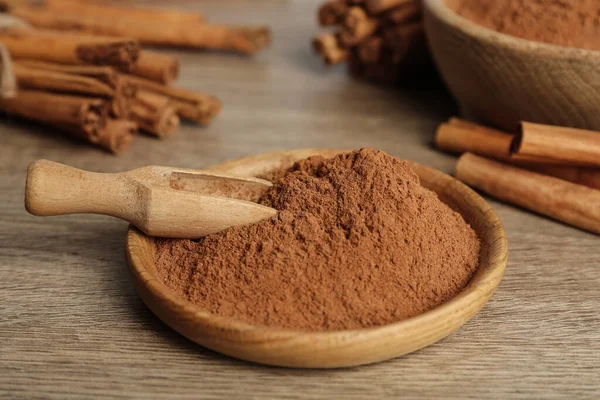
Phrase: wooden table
[71,324]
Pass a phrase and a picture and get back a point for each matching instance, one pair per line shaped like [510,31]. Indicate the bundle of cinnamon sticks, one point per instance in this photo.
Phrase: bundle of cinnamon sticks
[381,40]
[80,67]
[551,170]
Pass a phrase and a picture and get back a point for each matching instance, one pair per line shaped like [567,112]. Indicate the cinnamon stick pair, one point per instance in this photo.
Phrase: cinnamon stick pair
[65,48]
[568,193]
[190,105]
[168,28]
[98,81]
[533,144]
[84,118]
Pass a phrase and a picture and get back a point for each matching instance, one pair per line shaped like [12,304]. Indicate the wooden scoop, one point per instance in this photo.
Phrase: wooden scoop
[160,201]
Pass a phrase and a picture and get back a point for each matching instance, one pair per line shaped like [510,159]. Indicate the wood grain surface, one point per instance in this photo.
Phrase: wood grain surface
[72,326]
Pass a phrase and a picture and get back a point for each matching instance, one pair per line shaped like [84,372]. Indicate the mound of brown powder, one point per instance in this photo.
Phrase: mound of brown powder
[358,242]
[569,23]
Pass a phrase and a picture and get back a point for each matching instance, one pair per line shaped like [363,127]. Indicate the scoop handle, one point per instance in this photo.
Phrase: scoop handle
[57,189]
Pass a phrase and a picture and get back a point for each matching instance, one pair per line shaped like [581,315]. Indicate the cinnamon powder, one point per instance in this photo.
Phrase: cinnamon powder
[358,242]
[569,23]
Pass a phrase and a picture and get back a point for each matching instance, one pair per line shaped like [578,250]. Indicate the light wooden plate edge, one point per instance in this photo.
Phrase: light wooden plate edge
[290,348]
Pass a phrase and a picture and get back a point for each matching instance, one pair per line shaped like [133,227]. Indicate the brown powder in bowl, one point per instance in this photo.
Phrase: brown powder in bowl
[358,242]
[569,23]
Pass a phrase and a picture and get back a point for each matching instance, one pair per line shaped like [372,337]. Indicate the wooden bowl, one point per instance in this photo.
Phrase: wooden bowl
[503,80]
[291,348]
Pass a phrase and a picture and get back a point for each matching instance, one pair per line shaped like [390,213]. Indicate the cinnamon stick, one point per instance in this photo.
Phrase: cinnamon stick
[81,117]
[328,47]
[573,204]
[562,145]
[190,105]
[332,12]
[154,114]
[69,48]
[158,67]
[32,78]
[104,74]
[82,18]
[152,16]
[357,26]
[458,136]
[116,135]
[378,6]
[8,83]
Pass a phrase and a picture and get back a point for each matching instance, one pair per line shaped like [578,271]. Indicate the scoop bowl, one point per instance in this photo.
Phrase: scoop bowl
[502,80]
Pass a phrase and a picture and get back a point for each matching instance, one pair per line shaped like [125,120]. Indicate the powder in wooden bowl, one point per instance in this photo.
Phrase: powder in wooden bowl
[358,242]
[569,23]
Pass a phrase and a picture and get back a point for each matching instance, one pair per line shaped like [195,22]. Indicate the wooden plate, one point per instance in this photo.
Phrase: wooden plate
[291,348]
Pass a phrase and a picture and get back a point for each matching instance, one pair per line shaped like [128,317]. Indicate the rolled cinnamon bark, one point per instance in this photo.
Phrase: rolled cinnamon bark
[378,6]
[190,105]
[81,117]
[69,48]
[460,136]
[573,204]
[125,91]
[328,47]
[158,67]
[117,134]
[562,145]
[357,26]
[154,114]
[332,12]
[79,18]
[45,80]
